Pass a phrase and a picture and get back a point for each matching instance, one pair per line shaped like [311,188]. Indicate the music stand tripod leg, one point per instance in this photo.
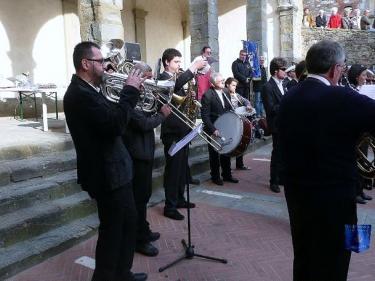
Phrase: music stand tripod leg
[189,248]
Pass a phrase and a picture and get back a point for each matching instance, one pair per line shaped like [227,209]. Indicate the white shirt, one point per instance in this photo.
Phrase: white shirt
[97,89]
[220,95]
[279,84]
[320,78]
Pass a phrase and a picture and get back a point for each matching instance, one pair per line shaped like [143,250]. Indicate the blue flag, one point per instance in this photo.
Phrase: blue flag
[252,51]
[357,237]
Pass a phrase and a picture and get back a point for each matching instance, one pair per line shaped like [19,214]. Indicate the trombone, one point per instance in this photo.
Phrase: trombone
[154,91]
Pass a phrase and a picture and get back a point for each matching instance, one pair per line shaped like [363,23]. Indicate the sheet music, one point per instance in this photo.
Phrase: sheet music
[368,90]
[176,147]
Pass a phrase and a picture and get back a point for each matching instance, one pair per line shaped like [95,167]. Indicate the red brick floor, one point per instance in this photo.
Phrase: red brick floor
[258,247]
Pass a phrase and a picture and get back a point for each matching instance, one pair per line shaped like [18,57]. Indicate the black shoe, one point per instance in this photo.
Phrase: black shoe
[243,168]
[218,181]
[185,205]
[194,181]
[153,236]
[275,188]
[360,200]
[365,196]
[139,276]
[368,186]
[173,214]
[147,249]
[231,179]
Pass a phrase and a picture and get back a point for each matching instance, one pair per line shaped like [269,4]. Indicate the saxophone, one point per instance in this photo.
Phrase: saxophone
[189,104]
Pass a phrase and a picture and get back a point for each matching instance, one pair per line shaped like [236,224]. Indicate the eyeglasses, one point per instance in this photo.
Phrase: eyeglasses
[101,61]
[282,68]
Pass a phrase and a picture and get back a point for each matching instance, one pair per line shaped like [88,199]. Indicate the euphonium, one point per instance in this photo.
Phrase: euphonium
[151,91]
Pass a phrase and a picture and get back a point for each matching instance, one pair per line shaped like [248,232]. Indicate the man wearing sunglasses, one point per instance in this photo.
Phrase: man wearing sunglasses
[272,94]
[104,166]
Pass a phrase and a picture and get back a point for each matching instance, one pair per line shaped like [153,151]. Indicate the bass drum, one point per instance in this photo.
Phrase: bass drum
[235,134]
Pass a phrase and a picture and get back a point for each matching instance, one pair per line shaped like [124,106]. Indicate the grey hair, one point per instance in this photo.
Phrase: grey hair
[323,55]
[213,77]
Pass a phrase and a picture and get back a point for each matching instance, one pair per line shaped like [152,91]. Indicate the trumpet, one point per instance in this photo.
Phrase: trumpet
[152,93]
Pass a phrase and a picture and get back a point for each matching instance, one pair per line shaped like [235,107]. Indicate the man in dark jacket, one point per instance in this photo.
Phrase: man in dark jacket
[243,72]
[139,137]
[216,102]
[104,165]
[321,19]
[173,130]
[319,163]
[272,93]
[257,88]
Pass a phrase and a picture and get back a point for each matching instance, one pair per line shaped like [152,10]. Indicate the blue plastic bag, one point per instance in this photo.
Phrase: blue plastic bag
[357,237]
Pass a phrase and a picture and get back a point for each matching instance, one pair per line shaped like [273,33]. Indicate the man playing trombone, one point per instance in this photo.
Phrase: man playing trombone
[173,130]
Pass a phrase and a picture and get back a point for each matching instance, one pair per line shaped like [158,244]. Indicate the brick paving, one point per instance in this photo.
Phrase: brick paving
[249,228]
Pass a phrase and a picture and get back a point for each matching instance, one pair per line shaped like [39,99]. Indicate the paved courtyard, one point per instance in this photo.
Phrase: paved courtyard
[244,223]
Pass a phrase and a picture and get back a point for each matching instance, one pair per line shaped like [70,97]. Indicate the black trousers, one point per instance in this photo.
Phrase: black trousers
[217,161]
[142,188]
[317,220]
[239,161]
[243,91]
[275,160]
[116,236]
[175,176]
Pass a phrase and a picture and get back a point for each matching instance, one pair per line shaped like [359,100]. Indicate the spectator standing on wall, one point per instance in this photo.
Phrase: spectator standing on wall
[335,19]
[307,19]
[346,22]
[365,21]
[321,19]
[356,19]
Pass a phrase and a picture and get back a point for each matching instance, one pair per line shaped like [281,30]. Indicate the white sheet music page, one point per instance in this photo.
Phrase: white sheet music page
[368,90]
[188,138]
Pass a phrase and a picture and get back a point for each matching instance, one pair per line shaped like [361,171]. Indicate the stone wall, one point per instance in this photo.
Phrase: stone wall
[359,45]
[326,5]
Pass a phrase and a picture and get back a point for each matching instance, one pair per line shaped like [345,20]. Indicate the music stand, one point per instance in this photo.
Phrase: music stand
[188,247]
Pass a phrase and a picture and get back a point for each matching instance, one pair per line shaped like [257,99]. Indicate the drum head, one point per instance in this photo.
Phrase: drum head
[230,127]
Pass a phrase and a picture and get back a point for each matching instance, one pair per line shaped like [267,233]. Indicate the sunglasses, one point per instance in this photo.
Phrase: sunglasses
[282,68]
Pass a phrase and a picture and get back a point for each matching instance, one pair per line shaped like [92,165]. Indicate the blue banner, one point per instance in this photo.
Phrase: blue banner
[252,56]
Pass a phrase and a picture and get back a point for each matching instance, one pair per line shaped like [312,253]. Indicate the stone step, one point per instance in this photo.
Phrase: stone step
[25,223]
[28,193]
[43,165]
[29,252]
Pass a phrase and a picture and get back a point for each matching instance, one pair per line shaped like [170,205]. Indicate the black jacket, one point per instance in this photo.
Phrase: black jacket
[212,109]
[291,84]
[321,22]
[241,71]
[173,129]
[271,97]
[258,84]
[139,136]
[319,127]
[96,126]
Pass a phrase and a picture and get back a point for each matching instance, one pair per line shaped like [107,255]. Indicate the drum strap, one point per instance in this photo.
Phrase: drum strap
[225,96]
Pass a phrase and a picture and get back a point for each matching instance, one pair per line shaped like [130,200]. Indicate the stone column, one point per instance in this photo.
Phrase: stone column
[204,28]
[290,29]
[100,20]
[140,30]
[256,24]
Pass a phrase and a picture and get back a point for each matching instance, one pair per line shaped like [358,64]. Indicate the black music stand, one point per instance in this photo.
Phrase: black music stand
[188,247]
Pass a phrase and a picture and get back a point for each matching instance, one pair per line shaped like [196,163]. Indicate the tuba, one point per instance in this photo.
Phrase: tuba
[365,156]
[365,149]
